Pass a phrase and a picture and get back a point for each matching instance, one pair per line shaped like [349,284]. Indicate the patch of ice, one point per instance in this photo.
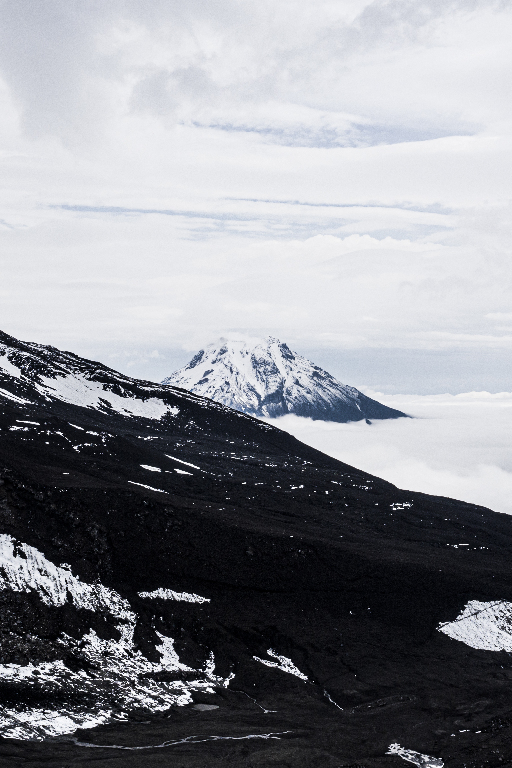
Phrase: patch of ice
[331,700]
[205,707]
[485,626]
[187,463]
[150,469]
[422,761]
[170,594]
[43,723]
[182,471]
[20,421]
[282,663]
[149,487]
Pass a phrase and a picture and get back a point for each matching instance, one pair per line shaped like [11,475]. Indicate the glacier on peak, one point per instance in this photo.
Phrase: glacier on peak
[265,378]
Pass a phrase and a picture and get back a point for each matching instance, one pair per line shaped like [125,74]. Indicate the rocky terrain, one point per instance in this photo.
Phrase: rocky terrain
[183,585]
[265,378]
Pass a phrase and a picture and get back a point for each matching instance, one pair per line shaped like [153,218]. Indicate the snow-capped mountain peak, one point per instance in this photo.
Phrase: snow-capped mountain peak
[263,377]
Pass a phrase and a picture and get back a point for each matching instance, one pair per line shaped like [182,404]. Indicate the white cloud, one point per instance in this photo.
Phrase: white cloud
[337,174]
[82,61]
[456,446]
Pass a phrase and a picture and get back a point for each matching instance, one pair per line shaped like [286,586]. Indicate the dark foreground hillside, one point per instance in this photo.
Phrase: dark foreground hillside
[198,589]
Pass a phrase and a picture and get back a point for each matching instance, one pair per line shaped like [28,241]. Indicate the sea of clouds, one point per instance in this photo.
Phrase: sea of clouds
[456,445]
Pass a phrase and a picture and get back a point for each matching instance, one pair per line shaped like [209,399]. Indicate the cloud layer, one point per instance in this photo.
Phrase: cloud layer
[456,446]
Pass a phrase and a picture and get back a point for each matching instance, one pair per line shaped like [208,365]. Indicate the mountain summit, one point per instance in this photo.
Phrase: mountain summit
[263,377]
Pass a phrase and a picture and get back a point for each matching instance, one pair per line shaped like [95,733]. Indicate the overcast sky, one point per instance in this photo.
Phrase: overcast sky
[337,174]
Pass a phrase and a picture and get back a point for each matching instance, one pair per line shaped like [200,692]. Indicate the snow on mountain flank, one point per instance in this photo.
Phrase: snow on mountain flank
[46,373]
[265,378]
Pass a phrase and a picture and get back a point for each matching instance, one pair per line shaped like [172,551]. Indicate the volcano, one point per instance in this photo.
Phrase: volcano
[266,379]
[182,584]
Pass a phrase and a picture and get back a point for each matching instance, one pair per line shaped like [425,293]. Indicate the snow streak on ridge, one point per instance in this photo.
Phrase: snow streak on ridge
[170,594]
[283,663]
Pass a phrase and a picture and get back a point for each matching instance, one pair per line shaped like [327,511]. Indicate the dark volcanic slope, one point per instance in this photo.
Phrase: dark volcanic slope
[203,558]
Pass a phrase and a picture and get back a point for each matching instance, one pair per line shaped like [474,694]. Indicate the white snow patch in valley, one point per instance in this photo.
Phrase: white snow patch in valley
[282,663]
[187,463]
[422,761]
[170,594]
[150,468]
[79,390]
[149,487]
[485,626]
[120,672]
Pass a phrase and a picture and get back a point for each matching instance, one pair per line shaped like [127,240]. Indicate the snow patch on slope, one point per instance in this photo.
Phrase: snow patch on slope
[422,761]
[78,390]
[118,678]
[170,594]
[25,569]
[187,463]
[7,367]
[485,626]
[14,398]
[283,663]
[148,487]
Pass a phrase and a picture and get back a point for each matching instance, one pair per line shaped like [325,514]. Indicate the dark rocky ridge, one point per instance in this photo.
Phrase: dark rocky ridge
[340,572]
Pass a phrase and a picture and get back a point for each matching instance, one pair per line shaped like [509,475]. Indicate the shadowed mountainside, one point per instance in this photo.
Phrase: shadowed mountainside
[178,576]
